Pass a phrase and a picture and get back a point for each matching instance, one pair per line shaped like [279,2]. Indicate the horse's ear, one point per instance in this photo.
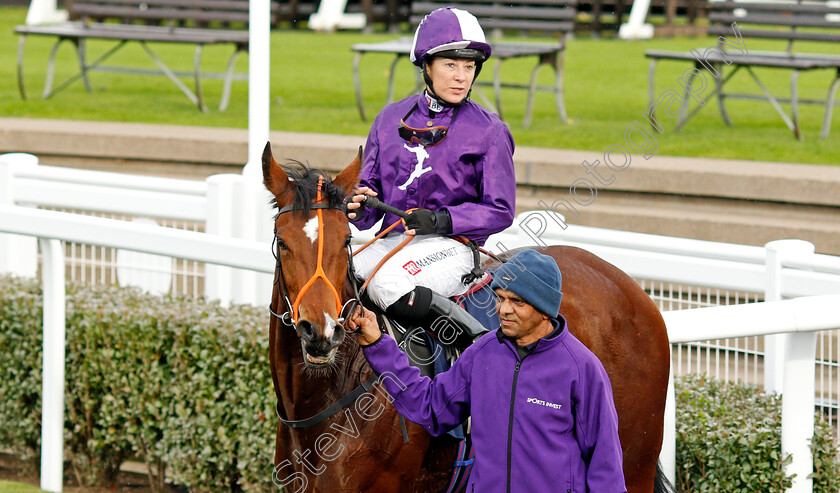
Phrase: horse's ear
[275,179]
[349,177]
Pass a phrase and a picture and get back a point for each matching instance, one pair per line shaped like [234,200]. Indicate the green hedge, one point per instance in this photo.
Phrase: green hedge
[729,438]
[185,386]
[182,384]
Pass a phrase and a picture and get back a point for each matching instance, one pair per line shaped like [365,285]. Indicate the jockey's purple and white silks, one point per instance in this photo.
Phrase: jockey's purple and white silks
[470,173]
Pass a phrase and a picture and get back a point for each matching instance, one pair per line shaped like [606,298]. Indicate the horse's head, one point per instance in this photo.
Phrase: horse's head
[312,238]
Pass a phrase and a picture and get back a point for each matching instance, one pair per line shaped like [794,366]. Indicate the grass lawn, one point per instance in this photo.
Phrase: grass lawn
[13,487]
[312,91]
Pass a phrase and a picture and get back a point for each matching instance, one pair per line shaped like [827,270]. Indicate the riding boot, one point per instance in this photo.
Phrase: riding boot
[452,324]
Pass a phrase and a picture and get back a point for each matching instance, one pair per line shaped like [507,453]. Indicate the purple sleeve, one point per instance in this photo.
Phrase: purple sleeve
[437,405]
[597,429]
[494,209]
[370,176]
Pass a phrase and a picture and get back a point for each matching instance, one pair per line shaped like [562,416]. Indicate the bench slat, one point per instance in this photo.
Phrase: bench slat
[773,20]
[78,30]
[766,59]
[483,12]
[234,5]
[103,12]
[521,25]
[726,31]
[774,7]
[510,3]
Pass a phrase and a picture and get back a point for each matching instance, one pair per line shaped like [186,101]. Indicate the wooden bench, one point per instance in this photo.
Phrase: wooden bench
[553,18]
[198,22]
[735,23]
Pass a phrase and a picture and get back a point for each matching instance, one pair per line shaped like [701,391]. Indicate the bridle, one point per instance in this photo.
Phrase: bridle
[291,315]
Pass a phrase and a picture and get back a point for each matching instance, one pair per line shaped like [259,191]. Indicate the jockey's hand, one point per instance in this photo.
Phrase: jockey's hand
[426,222]
[355,208]
[365,321]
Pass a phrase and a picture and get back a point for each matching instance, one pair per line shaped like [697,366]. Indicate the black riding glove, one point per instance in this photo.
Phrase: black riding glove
[360,212]
[426,222]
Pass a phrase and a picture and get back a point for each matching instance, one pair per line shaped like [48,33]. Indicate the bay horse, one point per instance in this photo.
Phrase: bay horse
[322,446]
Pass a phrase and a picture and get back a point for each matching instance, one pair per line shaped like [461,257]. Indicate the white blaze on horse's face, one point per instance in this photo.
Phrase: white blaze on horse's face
[311,229]
[329,325]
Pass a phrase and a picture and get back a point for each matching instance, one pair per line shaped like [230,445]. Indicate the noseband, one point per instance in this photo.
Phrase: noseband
[290,316]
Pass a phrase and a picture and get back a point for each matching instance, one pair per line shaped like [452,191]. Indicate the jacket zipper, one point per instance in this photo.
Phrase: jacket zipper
[510,422]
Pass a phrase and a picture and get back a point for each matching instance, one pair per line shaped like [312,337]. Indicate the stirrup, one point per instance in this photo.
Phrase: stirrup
[453,325]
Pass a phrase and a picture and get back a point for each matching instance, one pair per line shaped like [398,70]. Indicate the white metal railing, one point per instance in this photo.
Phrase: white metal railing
[51,228]
[793,318]
[231,208]
[228,205]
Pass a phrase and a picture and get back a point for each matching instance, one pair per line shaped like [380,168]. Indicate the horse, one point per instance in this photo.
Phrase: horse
[317,371]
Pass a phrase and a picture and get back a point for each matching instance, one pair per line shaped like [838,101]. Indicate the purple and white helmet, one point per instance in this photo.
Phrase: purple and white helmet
[450,30]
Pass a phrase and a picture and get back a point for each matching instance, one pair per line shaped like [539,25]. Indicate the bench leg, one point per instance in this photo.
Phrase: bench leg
[484,99]
[80,46]
[389,98]
[686,101]
[497,87]
[718,90]
[174,78]
[721,96]
[773,102]
[794,104]
[419,83]
[652,94]
[357,81]
[21,86]
[829,107]
[532,88]
[81,53]
[559,95]
[229,79]
[51,70]
[84,69]
[197,68]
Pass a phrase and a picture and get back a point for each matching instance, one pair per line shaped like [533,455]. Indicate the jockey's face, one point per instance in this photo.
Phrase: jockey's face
[451,78]
[520,320]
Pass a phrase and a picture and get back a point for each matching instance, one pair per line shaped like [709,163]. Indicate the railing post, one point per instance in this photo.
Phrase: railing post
[18,254]
[668,453]
[52,395]
[246,209]
[794,372]
[774,345]
[221,193]
[259,91]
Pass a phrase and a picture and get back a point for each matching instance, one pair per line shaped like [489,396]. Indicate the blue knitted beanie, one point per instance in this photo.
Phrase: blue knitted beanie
[534,277]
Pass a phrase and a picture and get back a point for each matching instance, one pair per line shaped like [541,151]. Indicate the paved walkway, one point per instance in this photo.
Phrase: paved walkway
[736,201]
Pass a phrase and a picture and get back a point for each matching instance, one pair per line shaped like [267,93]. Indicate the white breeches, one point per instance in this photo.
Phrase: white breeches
[433,261]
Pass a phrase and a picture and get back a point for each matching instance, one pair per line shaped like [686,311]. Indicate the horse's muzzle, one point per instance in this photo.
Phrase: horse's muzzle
[318,349]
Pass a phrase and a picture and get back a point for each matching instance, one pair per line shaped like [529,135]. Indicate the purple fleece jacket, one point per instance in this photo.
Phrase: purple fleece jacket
[543,423]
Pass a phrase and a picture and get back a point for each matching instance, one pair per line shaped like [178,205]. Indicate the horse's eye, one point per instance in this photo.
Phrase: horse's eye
[281,245]
[347,241]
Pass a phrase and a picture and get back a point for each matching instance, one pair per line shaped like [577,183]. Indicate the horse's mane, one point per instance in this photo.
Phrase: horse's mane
[306,187]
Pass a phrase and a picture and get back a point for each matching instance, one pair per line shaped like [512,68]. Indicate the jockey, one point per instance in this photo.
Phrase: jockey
[447,158]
